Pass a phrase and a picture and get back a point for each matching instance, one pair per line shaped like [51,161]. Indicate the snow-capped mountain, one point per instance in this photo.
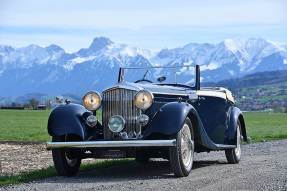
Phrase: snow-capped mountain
[51,70]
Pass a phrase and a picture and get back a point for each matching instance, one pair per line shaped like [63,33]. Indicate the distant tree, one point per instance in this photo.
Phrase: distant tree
[27,105]
[33,103]
[276,107]
[286,108]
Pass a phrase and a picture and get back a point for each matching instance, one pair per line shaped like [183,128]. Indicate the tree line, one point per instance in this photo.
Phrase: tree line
[32,103]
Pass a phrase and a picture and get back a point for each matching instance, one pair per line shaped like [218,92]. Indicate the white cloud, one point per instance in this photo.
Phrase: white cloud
[150,24]
[134,17]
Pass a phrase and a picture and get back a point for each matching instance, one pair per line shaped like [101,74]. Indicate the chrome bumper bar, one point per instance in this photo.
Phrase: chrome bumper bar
[112,144]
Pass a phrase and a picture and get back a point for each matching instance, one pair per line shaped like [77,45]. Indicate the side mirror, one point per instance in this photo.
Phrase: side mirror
[161,79]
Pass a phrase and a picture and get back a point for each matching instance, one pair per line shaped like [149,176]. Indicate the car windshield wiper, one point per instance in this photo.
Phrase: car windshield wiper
[145,74]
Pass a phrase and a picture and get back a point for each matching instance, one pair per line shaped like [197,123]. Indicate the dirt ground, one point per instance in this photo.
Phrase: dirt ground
[20,157]
[263,167]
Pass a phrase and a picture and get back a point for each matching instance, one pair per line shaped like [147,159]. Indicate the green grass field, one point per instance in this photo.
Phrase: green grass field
[25,125]
[266,126]
[31,125]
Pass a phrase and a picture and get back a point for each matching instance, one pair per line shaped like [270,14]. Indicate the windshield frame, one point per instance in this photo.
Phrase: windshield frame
[197,74]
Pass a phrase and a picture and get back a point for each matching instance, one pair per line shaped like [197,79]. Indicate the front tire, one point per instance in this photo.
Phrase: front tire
[181,156]
[65,160]
[233,155]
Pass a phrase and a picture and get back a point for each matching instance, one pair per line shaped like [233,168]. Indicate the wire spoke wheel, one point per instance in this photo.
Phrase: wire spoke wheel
[181,156]
[186,145]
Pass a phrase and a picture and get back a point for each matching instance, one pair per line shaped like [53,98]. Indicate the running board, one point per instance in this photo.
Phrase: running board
[224,147]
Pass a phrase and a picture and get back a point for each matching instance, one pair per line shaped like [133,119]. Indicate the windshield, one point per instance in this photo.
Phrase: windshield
[160,75]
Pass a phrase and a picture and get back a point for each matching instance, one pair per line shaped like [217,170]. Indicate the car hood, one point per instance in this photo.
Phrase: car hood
[154,88]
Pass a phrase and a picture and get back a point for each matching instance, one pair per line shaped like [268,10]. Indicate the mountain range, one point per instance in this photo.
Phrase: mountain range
[51,70]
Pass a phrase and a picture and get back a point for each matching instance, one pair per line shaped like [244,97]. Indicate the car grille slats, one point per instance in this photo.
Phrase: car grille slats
[118,101]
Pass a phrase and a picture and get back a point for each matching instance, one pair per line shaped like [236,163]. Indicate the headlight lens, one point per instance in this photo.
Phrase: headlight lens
[143,99]
[92,101]
[116,123]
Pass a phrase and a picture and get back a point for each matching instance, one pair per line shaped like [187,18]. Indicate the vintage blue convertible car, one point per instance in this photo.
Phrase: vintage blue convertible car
[170,119]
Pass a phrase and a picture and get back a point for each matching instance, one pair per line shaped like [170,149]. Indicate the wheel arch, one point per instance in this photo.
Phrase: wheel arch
[235,115]
[66,119]
[243,127]
[170,118]
[195,127]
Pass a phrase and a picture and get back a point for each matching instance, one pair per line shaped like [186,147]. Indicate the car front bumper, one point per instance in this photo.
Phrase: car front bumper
[112,144]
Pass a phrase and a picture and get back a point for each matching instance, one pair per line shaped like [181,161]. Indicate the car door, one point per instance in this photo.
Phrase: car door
[212,108]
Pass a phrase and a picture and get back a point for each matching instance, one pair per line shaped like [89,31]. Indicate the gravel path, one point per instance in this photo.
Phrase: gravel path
[20,157]
[263,167]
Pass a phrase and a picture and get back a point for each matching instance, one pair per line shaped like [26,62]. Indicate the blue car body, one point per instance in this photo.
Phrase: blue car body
[212,112]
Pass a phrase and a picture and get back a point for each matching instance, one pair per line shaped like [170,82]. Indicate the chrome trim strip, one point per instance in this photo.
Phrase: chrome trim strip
[127,86]
[166,93]
[108,144]
[159,67]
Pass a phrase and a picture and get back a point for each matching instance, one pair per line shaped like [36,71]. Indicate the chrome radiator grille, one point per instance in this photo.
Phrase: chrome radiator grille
[118,101]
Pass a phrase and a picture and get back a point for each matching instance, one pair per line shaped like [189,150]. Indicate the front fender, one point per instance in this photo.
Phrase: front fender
[65,119]
[169,119]
[234,116]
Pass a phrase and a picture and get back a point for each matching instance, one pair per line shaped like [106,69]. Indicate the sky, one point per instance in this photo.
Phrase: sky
[151,24]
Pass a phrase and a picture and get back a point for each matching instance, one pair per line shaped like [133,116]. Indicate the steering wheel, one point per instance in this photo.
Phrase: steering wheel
[143,80]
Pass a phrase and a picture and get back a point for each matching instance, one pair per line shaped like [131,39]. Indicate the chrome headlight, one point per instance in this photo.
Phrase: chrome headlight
[143,99]
[116,123]
[92,101]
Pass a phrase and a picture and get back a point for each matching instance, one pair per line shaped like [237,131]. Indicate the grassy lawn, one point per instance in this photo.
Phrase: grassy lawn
[31,125]
[266,126]
[25,125]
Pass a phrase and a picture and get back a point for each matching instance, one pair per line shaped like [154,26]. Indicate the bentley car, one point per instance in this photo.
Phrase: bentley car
[151,112]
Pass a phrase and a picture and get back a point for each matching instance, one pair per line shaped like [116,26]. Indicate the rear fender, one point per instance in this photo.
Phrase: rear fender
[234,116]
[66,119]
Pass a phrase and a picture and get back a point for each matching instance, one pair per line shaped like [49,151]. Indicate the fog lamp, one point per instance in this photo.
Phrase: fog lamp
[92,120]
[143,120]
[116,123]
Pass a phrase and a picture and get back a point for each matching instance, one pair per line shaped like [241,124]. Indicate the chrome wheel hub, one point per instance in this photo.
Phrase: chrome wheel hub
[71,162]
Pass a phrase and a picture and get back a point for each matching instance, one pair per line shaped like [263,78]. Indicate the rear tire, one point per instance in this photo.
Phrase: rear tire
[233,155]
[181,156]
[65,160]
